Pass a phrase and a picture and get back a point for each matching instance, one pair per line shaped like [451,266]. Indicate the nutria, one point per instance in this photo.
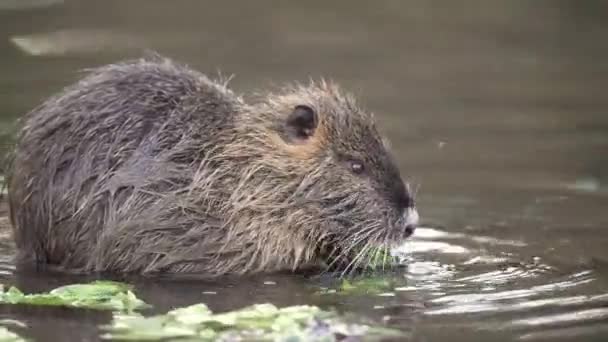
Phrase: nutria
[148,166]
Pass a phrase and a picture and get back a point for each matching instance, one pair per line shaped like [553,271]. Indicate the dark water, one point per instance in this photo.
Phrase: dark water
[497,111]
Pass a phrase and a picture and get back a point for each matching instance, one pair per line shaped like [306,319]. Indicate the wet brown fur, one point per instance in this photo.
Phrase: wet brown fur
[148,166]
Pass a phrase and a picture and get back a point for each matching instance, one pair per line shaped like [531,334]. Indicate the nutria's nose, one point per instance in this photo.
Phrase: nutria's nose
[409,230]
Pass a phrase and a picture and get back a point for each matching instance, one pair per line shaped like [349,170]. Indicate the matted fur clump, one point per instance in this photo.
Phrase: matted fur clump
[148,166]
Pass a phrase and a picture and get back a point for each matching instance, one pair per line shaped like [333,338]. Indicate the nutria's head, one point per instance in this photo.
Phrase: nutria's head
[318,178]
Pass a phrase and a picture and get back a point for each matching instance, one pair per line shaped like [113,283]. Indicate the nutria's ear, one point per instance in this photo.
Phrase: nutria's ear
[301,123]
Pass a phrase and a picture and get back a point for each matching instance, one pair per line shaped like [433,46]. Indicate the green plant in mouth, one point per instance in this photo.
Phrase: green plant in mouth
[380,258]
[371,279]
[368,258]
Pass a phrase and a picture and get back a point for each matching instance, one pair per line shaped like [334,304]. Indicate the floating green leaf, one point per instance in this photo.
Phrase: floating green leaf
[377,284]
[261,322]
[102,295]
[368,285]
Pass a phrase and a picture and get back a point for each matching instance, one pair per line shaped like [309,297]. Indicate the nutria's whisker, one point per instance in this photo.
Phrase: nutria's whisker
[356,259]
[361,235]
[385,248]
[352,266]
[416,189]
[368,241]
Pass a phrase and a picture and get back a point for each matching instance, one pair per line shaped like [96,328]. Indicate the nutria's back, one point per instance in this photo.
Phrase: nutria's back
[149,166]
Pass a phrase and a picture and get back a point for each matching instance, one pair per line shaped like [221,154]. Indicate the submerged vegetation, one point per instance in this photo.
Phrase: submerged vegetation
[369,285]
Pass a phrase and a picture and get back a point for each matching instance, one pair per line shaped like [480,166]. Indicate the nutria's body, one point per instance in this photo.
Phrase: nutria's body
[149,166]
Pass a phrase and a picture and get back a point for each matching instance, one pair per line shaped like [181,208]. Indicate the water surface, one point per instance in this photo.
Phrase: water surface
[497,112]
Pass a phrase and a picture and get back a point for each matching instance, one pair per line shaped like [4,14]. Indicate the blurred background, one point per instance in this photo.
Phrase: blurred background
[473,93]
[497,110]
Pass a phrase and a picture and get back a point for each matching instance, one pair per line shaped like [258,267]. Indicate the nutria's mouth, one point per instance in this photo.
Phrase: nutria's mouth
[346,255]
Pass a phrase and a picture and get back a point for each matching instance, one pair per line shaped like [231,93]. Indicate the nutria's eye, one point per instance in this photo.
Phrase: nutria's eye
[356,166]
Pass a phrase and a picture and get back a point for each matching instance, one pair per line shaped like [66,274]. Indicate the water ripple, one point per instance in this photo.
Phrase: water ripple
[477,275]
[570,317]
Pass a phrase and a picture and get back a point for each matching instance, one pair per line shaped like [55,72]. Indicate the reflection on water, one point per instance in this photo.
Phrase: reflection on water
[496,112]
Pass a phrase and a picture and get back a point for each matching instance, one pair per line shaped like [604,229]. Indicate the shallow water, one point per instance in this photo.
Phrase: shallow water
[497,111]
